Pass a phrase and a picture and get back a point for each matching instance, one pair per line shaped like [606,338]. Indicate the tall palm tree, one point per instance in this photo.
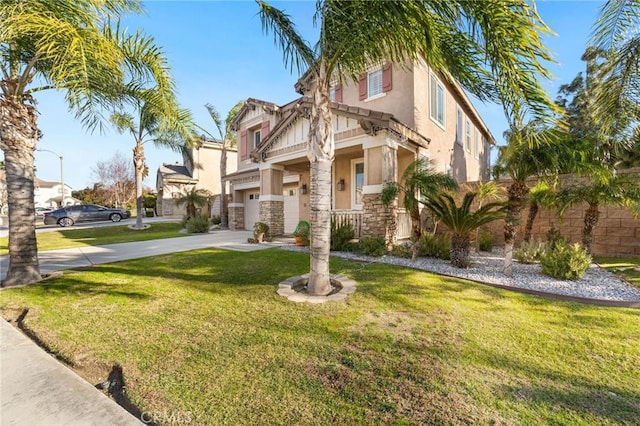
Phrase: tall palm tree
[227,140]
[193,198]
[419,183]
[494,51]
[158,120]
[55,45]
[462,222]
[542,193]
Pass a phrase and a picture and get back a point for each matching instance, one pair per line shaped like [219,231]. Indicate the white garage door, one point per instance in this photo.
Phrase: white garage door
[251,209]
[291,209]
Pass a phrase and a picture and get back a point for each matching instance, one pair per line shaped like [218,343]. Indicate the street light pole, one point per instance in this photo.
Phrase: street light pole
[61,174]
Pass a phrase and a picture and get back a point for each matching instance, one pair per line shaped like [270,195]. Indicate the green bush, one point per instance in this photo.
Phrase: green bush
[554,237]
[438,246]
[402,250]
[530,252]
[198,225]
[184,221]
[486,240]
[216,220]
[341,236]
[373,246]
[566,262]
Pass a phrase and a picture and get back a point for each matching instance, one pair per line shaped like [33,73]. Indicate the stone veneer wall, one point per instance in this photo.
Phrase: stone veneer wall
[379,220]
[236,218]
[272,213]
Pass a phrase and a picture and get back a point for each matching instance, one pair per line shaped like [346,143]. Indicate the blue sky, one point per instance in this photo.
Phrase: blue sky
[219,54]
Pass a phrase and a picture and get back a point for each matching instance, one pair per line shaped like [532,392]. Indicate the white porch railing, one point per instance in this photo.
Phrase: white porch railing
[352,216]
[404,224]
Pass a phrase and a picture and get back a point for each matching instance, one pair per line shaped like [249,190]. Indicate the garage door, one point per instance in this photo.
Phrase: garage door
[251,209]
[291,209]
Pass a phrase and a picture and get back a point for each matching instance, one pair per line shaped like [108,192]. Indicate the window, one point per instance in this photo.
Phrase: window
[357,177]
[468,136]
[476,148]
[459,126]
[374,83]
[332,93]
[256,139]
[437,100]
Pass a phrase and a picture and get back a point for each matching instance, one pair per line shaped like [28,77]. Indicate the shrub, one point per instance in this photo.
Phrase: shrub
[486,240]
[341,236]
[184,221]
[554,237]
[566,262]
[438,246]
[530,252]
[216,220]
[198,225]
[402,250]
[260,228]
[373,246]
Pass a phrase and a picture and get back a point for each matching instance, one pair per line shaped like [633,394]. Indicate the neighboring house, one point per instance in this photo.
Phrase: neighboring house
[48,194]
[200,169]
[390,117]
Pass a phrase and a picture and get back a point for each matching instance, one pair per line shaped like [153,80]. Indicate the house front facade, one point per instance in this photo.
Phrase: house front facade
[391,116]
[200,169]
[50,194]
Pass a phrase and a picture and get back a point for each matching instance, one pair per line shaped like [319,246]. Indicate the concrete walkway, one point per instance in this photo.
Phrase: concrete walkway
[36,389]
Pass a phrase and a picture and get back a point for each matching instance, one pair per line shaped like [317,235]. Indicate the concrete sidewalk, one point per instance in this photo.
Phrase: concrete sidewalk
[36,389]
[56,260]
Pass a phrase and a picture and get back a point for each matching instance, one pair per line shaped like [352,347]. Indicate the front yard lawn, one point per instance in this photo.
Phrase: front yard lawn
[203,336]
[69,238]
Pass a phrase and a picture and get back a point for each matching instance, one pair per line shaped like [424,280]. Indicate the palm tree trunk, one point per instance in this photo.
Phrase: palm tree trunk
[460,250]
[416,232]
[517,191]
[18,138]
[531,217]
[138,163]
[591,217]
[321,150]
[224,224]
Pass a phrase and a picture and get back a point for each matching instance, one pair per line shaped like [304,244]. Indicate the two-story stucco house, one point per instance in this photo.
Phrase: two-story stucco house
[391,116]
[48,194]
[200,169]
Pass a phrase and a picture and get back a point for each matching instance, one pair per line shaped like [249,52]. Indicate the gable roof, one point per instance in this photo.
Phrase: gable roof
[370,120]
[249,105]
[175,172]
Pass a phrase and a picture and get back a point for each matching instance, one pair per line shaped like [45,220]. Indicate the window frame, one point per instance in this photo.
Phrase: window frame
[468,136]
[459,125]
[257,134]
[354,188]
[476,143]
[371,95]
[436,93]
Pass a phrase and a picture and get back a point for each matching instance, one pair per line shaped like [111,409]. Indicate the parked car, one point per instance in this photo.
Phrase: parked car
[69,215]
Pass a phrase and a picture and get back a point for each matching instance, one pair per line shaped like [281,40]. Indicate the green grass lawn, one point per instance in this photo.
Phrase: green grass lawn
[99,236]
[623,266]
[203,335]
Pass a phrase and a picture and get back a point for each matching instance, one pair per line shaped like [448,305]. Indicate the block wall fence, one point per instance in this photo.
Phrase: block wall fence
[616,234]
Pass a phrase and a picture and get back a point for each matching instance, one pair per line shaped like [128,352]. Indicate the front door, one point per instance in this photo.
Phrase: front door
[251,209]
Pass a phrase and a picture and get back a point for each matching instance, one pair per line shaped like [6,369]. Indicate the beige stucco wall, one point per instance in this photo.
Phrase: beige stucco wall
[304,199]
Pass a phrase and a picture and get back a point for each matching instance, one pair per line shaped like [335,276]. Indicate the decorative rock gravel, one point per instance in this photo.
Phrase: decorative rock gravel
[597,283]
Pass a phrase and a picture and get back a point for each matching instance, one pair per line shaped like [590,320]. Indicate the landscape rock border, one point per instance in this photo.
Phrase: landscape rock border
[287,289]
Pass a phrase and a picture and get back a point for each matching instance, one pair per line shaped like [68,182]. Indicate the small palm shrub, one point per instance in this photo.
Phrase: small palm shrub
[565,262]
[462,222]
[402,250]
[341,236]
[197,225]
[438,246]
[373,246]
[530,252]
[486,240]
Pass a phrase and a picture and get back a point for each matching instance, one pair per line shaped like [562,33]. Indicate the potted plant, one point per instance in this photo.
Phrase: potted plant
[260,229]
[301,233]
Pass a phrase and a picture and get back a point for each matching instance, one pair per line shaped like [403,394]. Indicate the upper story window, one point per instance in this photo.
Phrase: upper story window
[468,136]
[437,100]
[256,138]
[374,83]
[332,93]
[459,125]
[476,143]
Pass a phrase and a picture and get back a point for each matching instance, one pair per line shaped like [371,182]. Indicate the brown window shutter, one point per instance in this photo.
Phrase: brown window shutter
[386,78]
[362,87]
[264,130]
[339,93]
[243,145]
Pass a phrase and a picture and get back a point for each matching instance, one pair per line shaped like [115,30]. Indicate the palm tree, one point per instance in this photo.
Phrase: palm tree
[158,120]
[65,45]
[542,193]
[462,222]
[228,140]
[618,190]
[193,198]
[494,51]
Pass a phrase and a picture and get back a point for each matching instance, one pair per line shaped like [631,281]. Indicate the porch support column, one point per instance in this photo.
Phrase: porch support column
[271,199]
[235,210]
[381,166]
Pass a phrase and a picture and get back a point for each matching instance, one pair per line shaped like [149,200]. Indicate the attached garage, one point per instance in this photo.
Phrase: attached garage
[251,208]
[291,209]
